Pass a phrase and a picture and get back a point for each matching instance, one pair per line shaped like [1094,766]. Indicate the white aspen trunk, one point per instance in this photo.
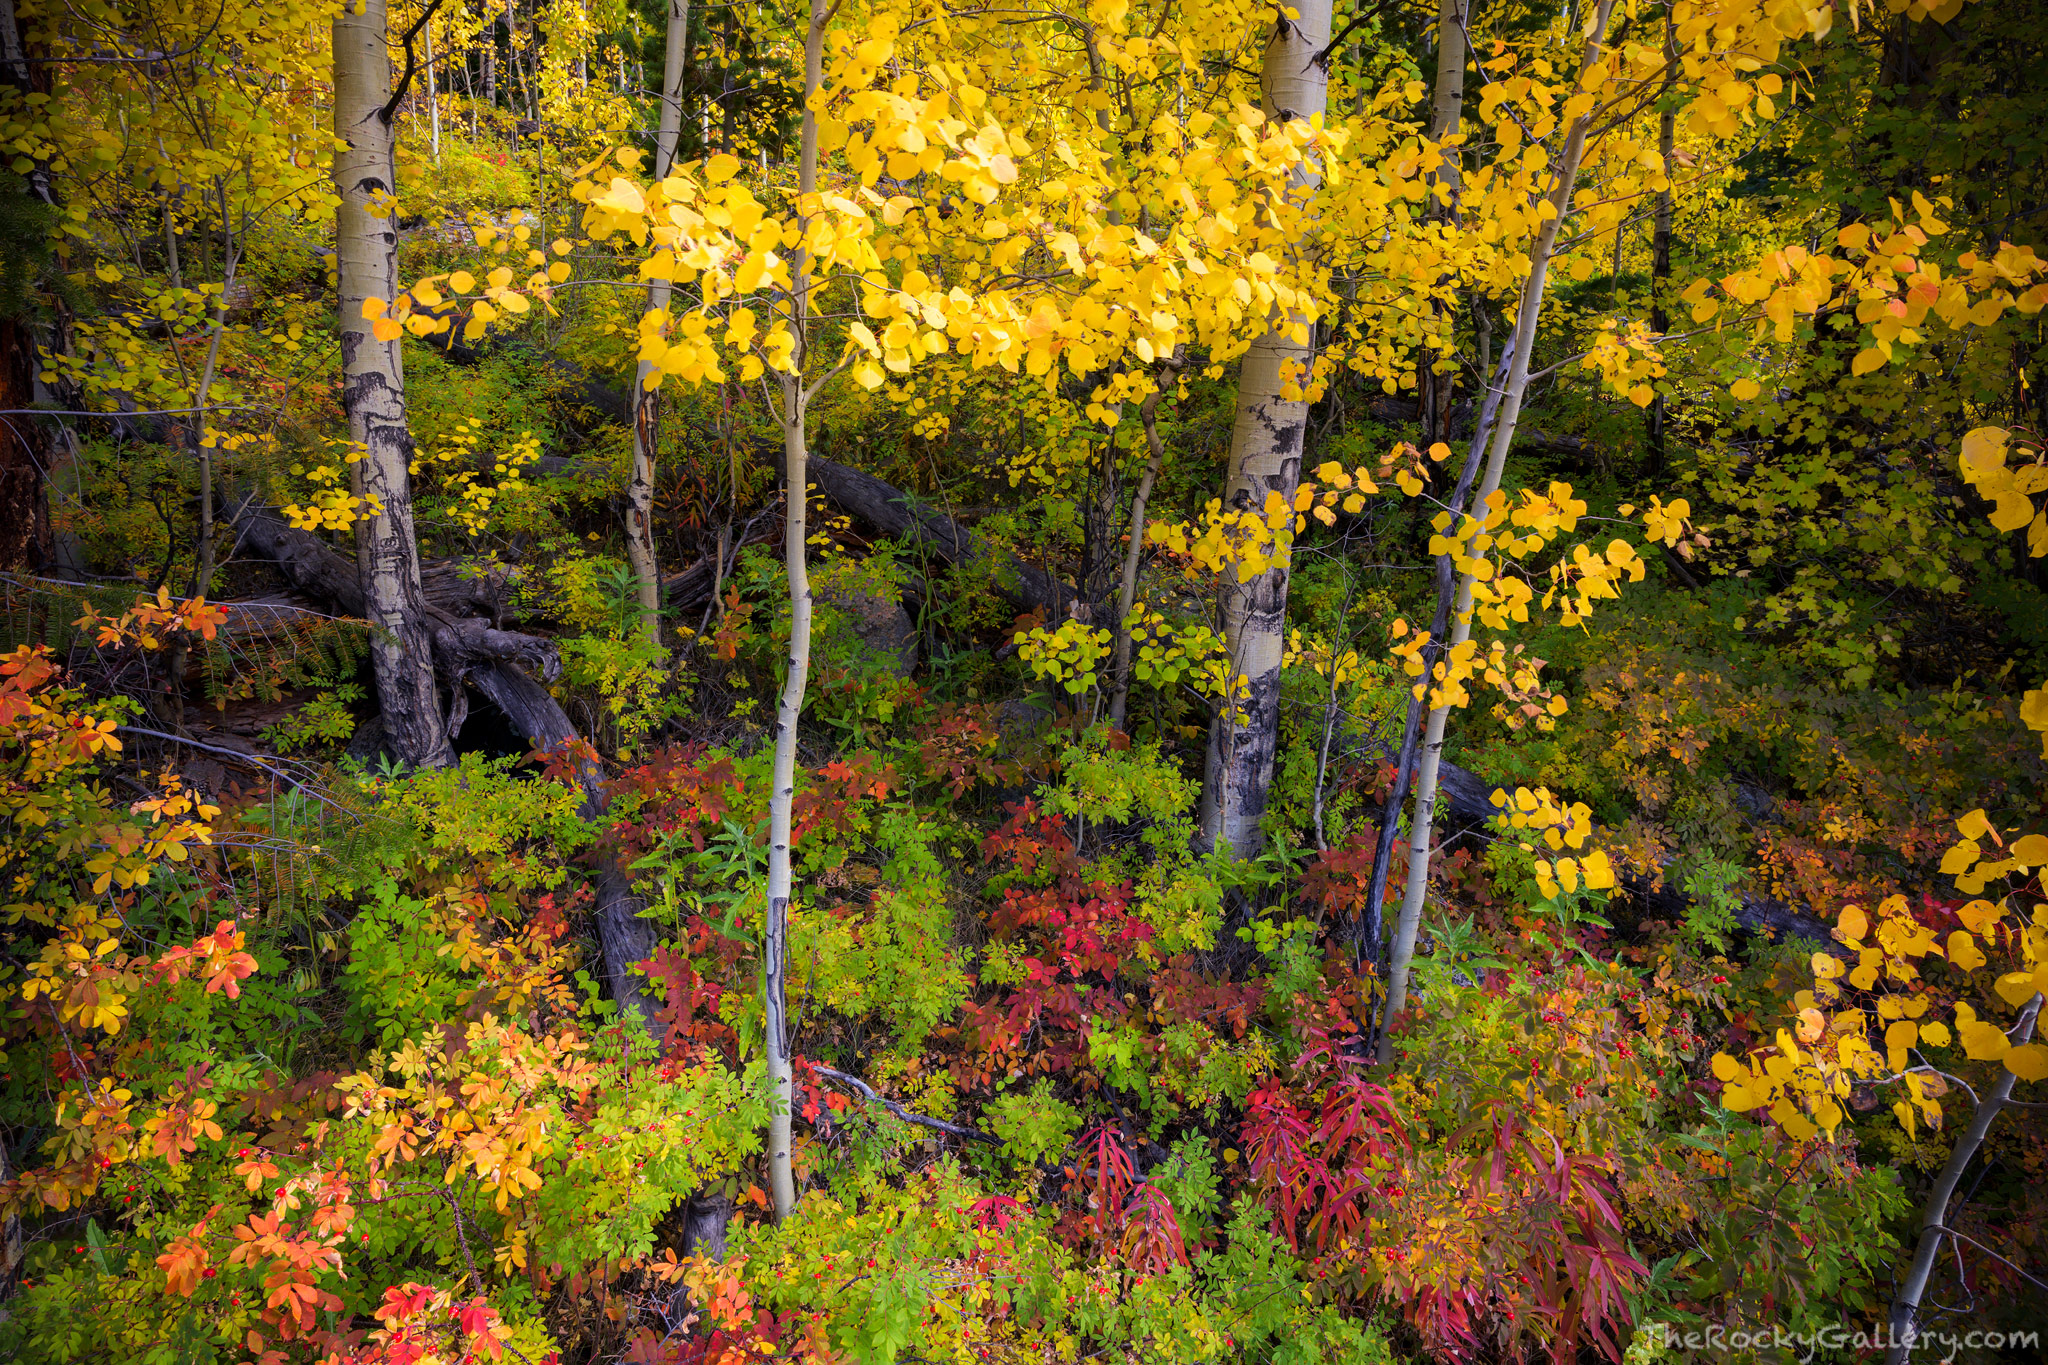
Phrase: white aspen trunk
[373,393]
[433,94]
[1906,1308]
[1660,250]
[1516,387]
[1265,455]
[1434,389]
[640,554]
[789,706]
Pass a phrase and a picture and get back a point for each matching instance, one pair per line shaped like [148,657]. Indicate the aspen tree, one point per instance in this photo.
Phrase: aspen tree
[1265,458]
[373,389]
[796,392]
[640,552]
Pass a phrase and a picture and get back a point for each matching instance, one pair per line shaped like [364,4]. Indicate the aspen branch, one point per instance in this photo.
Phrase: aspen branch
[390,108]
[867,1092]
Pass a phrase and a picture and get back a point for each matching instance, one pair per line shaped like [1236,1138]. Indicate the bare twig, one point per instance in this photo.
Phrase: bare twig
[867,1092]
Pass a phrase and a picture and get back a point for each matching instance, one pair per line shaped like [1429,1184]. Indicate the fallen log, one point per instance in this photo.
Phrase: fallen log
[500,665]
[890,510]
[316,570]
[1466,801]
[624,937]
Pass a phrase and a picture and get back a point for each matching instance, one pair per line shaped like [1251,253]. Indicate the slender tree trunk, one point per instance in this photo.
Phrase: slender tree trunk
[512,59]
[24,454]
[1434,389]
[1906,1308]
[789,707]
[1447,113]
[1660,251]
[640,552]
[24,442]
[202,577]
[1372,937]
[373,393]
[433,94]
[1265,456]
[1421,824]
[1127,584]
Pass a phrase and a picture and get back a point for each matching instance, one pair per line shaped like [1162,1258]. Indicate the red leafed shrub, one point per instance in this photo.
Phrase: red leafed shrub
[1319,1148]
[1514,1244]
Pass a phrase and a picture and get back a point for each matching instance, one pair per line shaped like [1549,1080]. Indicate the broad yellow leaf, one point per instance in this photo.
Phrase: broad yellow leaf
[2028,1061]
[1982,1042]
[1852,924]
[2016,988]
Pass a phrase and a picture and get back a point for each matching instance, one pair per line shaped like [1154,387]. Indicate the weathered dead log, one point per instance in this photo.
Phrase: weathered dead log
[313,568]
[888,509]
[317,570]
[1466,802]
[623,936]
[882,507]
[500,665]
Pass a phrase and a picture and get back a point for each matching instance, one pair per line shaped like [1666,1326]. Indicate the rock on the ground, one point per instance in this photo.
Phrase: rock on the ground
[887,632]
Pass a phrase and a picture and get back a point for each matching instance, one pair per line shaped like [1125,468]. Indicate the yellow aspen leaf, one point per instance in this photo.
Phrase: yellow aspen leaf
[2012,511]
[1745,389]
[1599,871]
[1867,361]
[1796,1124]
[1852,924]
[1980,915]
[1984,449]
[1982,1042]
[2017,988]
[1963,951]
[1897,1039]
[1960,858]
[2028,1061]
